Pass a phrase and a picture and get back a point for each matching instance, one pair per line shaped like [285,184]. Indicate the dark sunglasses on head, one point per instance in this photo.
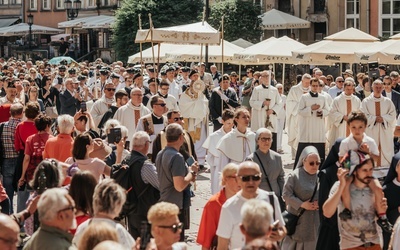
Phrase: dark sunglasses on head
[265,139]
[110,89]
[312,163]
[174,228]
[161,104]
[246,178]
[178,118]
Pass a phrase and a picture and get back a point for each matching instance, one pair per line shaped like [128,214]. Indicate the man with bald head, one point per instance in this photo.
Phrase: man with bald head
[9,230]
[249,178]
[129,114]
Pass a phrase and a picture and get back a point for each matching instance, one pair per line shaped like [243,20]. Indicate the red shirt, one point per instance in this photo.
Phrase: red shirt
[209,219]
[34,148]
[22,132]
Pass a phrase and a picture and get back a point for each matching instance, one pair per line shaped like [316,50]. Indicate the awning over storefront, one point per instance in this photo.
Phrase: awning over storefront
[8,21]
[92,22]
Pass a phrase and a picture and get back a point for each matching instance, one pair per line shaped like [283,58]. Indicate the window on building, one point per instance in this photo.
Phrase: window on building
[60,4]
[284,6]
[106,2]
[91,3]
[46,4]
[390,24]
[353,14]
[3,2]
[319,6]
[33,4]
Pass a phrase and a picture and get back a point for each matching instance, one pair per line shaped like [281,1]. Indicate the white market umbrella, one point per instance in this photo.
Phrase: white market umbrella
[278,20]
[147,54]
[337,48]
[22,29]
[190,53]
[387,52]
[242,43]
[195,33]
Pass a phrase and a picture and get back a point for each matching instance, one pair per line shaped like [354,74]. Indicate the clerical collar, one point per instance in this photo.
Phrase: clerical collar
[313,94]
[305,89]
[163,96]
[264,86]
[156,119]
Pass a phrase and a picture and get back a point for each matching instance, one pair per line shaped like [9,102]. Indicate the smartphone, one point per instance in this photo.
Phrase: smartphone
[145,234]
[60,80]
[275,225]
[83,107]
[127,145]
[114,135]
[42,181]
[190,161]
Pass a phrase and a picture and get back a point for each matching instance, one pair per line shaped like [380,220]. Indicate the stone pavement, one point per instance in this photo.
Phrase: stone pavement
[203,193]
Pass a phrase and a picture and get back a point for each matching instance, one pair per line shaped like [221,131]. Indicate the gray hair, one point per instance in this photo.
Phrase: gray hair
[140,138]
[262,131]
[108,197]
[65,124]
[173,131]
[377,81]
[279,85]
[112,123]
[51,202]
[306,76]
[256,217]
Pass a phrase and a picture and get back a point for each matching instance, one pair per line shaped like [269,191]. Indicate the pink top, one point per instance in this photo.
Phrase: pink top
[93,165]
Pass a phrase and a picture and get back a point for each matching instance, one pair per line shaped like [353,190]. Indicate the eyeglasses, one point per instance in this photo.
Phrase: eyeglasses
[340,81]
[61,70]
[174,228]
[110,89]
[178,118]
[265,139]
[246,178]
[72,208]
[21,78]
[312,163]
[387,83]
[329,80]
[315,86]
[161,104]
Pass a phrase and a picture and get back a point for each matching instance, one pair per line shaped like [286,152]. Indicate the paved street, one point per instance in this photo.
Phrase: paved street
[203,194]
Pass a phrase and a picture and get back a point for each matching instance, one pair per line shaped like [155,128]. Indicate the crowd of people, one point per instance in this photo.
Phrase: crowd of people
[100,156]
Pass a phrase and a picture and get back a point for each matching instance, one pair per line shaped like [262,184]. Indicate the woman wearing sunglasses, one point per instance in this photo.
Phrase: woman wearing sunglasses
[299,192]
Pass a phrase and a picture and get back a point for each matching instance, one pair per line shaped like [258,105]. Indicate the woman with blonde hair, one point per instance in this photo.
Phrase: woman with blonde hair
[209,220]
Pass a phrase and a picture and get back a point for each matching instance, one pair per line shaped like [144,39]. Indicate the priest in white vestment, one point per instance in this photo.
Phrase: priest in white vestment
[381,115]
[342,106]
[194,109]
[313,108]
[213,154]
[281,119]
[292,108]
[266,103]
[129,114]
[238,144]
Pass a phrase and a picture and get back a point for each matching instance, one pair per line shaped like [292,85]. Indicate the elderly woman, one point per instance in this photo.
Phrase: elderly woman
[239,143]
[165,226]
[300,193]
[209,220]
[108,199]
[270,164]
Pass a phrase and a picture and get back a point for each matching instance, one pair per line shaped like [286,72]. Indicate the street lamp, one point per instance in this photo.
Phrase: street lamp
[30,22]
[72,8]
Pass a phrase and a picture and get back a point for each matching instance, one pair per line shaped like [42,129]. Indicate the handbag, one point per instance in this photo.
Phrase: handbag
[51,112]
[292,219]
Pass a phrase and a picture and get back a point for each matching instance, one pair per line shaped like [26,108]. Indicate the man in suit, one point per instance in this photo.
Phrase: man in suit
[391,94]
[69,99]
[222,97]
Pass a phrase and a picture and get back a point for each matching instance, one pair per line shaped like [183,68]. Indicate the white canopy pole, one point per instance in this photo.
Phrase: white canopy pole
[140,45]
[222,46]
[283,76]
[152,44]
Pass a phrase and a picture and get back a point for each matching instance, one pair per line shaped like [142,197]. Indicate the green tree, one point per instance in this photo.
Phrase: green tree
[164,13]
[241,19]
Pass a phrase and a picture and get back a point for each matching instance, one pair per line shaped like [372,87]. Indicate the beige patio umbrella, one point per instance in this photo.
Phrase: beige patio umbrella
[387,52]
[147,54]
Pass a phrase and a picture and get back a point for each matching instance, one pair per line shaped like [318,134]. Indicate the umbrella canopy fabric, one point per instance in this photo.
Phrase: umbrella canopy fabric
[57,60]
[23,29]
[242,43]
[276,20]
[195,33]
[191,53]
[337,48]
[271,50]
[90,22]
[147,54]
[387,52]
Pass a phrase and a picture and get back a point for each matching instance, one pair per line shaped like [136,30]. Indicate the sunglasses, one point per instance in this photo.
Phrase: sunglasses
[161,104]
[387,83]
[246,178]
[174,228]
[61,70]
[265,139]
[110,89]
[178,118]
[329,80]
[312,163]
[340,81]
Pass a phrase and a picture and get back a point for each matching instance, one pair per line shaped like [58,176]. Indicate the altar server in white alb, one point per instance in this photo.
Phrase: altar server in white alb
[292,109]
[212,152]
[194,109]
[281,119]
[341,108]
[313,108]
[238,144]
[266,104]
[381,115]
